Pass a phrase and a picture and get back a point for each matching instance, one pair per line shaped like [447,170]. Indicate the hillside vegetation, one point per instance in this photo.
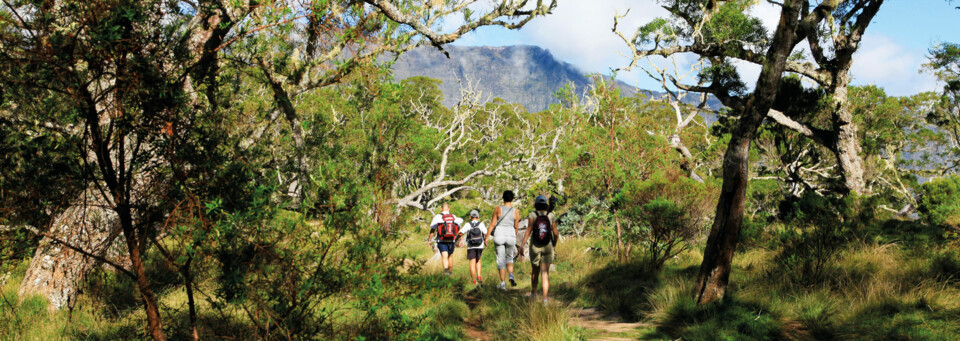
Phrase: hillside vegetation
[230,170]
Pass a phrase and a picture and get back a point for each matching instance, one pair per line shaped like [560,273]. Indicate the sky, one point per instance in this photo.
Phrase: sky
[890,55]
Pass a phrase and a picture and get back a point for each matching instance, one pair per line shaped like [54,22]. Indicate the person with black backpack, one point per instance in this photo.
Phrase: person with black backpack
[542,233]
[474,232]
[447,228]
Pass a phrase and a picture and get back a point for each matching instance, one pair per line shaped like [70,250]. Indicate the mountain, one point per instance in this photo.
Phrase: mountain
[523,74]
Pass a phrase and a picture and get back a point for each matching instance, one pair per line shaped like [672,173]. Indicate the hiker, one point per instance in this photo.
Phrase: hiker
[543,226]
[474,233]
[505,224]
[447,228]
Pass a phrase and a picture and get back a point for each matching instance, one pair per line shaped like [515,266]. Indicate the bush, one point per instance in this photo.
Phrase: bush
[590,216]
[813,236]
[940,203]
[664,214]
[946,266]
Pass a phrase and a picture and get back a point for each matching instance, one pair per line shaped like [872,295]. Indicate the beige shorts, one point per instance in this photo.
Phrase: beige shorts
[541,254]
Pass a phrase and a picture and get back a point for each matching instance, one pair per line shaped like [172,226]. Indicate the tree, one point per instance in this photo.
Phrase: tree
[136,83]
[493,140]
[611,147]
[720,31]
[944,62]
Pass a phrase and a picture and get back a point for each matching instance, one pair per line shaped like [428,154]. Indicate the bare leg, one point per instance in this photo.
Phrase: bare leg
[473,269]
[509,269]
[534,278]
[479,273]
[503,274]
[545,274]
[445,259]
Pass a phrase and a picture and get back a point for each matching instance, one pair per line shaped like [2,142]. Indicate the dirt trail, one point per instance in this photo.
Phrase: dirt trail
[601,327]
[472,327]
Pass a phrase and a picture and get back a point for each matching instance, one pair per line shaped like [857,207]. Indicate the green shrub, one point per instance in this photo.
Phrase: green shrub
[945,266]
[663,214]
[814,235]
[940,203]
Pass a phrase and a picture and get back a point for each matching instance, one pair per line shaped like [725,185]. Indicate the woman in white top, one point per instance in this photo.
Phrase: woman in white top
[474,241]
[505,225]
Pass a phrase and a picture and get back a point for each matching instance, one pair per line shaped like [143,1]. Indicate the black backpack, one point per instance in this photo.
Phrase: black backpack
[475,236]
[543,231]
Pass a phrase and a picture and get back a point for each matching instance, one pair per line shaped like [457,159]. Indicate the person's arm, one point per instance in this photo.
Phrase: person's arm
[556,233]
[463,231]
[526,235]
[493,223]
[433,228]
[516,222]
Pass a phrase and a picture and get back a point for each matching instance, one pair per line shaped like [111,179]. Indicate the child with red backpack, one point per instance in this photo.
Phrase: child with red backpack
[447,228]
[543,229]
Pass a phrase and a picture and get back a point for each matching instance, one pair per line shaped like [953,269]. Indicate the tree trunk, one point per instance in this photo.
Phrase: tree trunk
[725,233]
[56,271]
[619,238]
[847,149]
[154,324]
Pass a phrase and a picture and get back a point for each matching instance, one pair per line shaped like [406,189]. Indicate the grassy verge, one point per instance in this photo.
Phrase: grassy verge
[871,290]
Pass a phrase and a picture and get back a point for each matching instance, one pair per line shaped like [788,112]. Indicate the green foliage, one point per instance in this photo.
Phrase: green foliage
[731,26]
[940,204]
[945,266]
[808,247]
[665,213]
[608,149]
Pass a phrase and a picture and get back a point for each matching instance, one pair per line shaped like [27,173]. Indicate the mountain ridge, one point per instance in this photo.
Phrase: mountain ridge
[524,74]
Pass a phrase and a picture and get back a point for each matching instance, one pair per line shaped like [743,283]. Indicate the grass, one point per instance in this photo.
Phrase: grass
[873,289]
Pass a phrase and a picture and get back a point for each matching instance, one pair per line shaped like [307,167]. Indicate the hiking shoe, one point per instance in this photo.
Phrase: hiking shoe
[502,286]
[546,301]
[513,282]
[448,272]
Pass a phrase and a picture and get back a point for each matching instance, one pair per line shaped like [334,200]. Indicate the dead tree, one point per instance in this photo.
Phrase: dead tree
[531,153]
[685,113]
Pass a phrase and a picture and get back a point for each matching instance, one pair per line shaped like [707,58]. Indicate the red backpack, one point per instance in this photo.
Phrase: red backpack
[449,229]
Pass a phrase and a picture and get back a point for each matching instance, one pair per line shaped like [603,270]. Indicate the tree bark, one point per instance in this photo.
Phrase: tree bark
[725,233]
[134,247]
[847,148]
[56,271]
[619,239]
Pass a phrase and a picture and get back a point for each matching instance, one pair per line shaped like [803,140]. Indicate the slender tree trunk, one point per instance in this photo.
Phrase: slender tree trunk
[191,304]
[725,233]
[619,238]
[154,323]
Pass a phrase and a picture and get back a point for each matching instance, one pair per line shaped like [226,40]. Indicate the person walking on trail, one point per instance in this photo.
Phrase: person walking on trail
[543,229]
[505,224]
[474,233]
[447,228]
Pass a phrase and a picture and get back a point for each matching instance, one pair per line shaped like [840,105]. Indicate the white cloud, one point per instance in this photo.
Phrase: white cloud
[579,32]
[768,13]
[885,63]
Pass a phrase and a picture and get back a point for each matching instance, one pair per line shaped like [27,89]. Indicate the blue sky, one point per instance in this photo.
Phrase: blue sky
[890,55]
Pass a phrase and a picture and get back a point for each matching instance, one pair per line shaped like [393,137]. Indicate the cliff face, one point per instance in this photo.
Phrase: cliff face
[528,75]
